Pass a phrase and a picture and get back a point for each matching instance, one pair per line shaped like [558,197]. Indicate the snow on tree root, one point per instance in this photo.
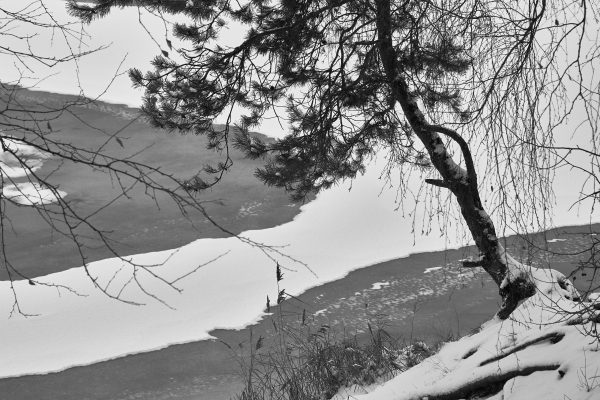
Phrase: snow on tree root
[517,371]
[551,283]
[541,352]
[523,281]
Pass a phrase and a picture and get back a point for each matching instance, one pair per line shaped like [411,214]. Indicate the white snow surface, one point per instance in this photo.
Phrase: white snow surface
[540,351]
[31,194]
[29,159]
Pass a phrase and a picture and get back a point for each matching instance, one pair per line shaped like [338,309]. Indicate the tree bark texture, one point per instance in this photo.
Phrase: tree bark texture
[514,284]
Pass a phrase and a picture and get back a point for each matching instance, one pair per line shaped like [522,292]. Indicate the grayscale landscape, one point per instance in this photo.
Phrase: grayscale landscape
[299,200]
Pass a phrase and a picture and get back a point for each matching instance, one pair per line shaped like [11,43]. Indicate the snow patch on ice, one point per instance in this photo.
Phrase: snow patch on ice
[19,159]
[31,194]
[379,285]
[556,240]
[432,269]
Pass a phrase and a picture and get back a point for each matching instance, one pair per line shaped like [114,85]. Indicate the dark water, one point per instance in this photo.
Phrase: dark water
[142,221]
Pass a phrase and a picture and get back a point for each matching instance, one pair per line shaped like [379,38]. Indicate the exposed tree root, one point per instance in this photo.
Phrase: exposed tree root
[470,353]
[485,378]
[483,385]
[554,337]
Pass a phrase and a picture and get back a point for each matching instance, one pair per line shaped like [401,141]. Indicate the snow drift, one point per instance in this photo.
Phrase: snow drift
[547,349]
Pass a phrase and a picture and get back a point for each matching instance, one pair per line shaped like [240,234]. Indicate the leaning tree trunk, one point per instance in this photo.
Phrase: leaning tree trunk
[514,282]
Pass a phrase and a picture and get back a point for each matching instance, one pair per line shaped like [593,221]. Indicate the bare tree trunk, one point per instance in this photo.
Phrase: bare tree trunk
[514,283]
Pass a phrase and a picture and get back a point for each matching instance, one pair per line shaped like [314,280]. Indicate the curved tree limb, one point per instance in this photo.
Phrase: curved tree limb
[462,183]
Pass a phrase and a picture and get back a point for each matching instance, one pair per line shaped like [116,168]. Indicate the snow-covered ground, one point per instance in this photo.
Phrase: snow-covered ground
[547,349]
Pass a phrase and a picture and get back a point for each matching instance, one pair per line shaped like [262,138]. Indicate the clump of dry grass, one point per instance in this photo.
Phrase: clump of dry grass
[305,361]
[307,365]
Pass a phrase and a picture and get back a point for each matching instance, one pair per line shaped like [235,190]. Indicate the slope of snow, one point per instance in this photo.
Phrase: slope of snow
[541,352]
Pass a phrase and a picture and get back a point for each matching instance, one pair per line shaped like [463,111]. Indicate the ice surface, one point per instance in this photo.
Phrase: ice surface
[227,293]
[338,232]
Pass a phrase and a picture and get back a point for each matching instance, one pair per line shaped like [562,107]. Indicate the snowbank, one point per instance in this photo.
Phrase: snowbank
[541,352]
